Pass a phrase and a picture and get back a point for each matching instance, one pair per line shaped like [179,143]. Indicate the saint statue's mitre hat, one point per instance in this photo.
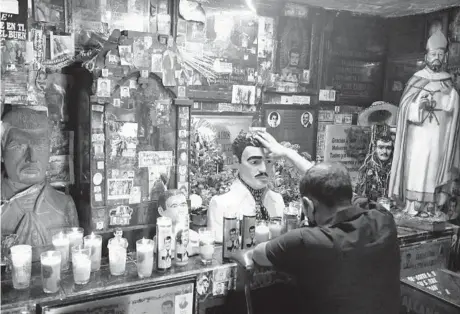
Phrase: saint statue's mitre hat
[379,112]
[436,41]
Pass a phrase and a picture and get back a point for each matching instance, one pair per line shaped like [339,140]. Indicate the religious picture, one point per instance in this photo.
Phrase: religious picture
[183,157]
[203,283]
[50,11]
[168,67]
[195,78]
[306,76]
[184,303]
[274,119]
[119,188]
[103,87]
[306,119]
[294,51]
[116,102]
[242,94]
[126,56]
[183,187]
[61,45]
[124,92]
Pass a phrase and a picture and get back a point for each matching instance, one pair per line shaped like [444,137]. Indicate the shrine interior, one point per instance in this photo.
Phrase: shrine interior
[238,156]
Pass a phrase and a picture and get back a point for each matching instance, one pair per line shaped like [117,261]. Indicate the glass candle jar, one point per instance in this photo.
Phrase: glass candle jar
[262,232]
[144,254]
[51,271]
[206,245]
[276,227]
[21,258]
[94,242]
[81,264]
[61,243]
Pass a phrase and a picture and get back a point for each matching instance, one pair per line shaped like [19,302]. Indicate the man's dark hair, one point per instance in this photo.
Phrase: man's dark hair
[232,230]
[168,238]
[242,141]
[252,228]
[167,302]
[294,50]
[328,183]
[273,114]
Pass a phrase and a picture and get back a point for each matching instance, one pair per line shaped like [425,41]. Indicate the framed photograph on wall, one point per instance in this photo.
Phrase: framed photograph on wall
[177,296]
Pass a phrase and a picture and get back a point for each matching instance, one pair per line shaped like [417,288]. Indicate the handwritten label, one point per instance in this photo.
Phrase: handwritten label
[152,158]
[327,95]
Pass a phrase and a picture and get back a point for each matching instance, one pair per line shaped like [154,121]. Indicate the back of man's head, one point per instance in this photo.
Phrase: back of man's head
[327,183]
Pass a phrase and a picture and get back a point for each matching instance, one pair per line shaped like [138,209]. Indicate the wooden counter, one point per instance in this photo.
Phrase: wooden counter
[221,277]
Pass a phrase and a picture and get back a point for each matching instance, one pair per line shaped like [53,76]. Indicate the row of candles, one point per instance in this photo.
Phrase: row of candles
[85,252]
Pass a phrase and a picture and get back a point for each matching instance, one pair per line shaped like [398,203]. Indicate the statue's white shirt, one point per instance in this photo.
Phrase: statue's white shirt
[238,201]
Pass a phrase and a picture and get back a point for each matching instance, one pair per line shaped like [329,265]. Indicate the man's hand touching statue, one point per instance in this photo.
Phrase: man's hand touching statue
[276,150]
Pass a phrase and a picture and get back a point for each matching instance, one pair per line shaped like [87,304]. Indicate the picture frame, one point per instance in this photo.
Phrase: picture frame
[142,297]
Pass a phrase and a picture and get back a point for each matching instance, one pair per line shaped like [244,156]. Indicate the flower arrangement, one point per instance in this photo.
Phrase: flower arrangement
[208,175]
[287,177]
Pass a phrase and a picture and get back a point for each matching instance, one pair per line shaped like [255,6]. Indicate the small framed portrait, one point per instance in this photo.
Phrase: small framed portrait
[274,119]
[144,73]
[116,102]
[124,91]
[113,59]
[163,39]
[183,157]
[103,87]
[306,76]
[306,119]
[105,72]
[182,170]
[183,123]
[182,145]
[182,133]
[181,91]
[132,84]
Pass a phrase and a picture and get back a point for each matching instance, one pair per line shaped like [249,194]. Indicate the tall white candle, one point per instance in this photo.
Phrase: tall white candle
[262,233]
[94,242]
[61,243]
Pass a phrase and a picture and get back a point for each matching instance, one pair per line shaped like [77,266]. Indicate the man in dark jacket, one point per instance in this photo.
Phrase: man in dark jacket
[347,260]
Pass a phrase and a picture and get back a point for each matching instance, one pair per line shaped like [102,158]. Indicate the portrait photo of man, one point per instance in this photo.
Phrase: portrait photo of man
[250,242]
[167,307]
[124,92]
[103,87]
[306,120]
[233,244]
[166,252]
[274,119]
[290,73]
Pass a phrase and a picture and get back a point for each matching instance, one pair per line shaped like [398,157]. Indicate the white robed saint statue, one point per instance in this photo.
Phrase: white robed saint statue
[426,157]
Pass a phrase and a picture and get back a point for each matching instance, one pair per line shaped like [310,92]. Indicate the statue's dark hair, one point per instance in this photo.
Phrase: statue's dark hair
[242,141]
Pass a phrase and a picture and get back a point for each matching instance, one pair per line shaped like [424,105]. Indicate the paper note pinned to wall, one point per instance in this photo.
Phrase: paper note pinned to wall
[152,158]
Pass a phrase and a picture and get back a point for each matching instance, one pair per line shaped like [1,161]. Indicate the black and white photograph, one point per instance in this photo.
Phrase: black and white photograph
[244,94]
[124,92]
[61,45]
[116,102]
[274,119]
[119,188]
[103,87]
[126,55]
[306,119]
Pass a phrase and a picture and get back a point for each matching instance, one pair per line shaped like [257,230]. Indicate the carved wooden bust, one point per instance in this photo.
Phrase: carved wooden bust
[31,208]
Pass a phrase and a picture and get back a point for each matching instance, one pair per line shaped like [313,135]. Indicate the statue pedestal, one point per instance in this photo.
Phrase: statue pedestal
[426,224]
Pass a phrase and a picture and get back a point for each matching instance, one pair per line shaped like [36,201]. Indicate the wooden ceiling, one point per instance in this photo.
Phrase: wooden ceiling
[383,8]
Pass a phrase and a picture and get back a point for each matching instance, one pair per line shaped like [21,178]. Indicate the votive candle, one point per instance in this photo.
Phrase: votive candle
[61,243]
[262,232]
[94,241]
[144,250]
